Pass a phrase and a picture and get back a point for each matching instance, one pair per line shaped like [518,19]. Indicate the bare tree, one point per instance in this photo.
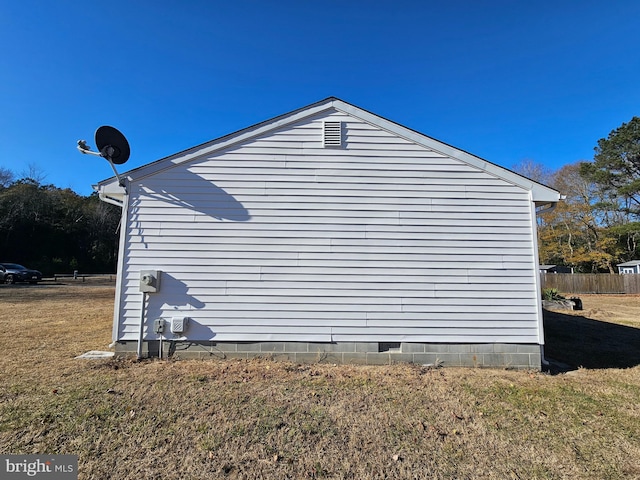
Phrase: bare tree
[534,170]
[6,177]
[33,174]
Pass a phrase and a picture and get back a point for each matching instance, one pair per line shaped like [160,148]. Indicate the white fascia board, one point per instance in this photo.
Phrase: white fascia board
[541,193]
[111,188]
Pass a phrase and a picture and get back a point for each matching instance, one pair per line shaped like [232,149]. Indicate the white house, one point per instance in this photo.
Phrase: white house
[629,267]
[329,233]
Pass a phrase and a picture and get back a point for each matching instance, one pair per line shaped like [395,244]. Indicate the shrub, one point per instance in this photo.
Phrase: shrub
[551,294]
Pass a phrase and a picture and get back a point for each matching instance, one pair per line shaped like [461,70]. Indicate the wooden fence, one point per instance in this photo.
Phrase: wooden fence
[84,276]
[591,282]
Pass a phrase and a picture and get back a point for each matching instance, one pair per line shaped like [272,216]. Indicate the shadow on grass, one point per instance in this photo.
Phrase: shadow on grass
[582,342]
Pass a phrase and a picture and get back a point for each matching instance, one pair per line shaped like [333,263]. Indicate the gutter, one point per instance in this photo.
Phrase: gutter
[109,199]
[550,207]
[113,201]
[547,208]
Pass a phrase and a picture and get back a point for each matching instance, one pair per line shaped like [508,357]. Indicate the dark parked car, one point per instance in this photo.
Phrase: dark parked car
[12,273]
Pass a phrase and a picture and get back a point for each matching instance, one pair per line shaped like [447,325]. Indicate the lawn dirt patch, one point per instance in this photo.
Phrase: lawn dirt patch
[263,419]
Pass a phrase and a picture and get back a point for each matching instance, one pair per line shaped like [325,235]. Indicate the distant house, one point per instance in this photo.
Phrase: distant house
[554,269]
[629,267]
[329,233]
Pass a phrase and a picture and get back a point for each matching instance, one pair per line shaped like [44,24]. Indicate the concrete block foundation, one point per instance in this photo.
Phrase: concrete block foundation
[487,355]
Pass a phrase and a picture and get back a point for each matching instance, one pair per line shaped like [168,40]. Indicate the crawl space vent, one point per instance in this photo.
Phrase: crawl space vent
[332,134]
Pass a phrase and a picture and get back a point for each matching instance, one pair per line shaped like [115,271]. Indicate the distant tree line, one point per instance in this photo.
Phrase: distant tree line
[597,225]
[55,230]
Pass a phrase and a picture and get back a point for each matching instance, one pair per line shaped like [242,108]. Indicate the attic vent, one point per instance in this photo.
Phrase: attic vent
[332,134]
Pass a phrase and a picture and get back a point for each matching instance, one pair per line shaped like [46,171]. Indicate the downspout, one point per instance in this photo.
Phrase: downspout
[536,259]
[546,208]
[123,204]
[543,360]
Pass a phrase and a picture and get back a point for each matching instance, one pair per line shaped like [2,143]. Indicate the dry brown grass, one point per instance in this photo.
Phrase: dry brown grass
[620,309]
[262,419]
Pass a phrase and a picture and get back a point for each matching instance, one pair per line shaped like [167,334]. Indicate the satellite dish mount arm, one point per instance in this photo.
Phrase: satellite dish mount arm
[105,153]
[120,182]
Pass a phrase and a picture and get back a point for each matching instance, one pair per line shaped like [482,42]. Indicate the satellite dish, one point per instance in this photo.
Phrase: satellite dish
[112,144]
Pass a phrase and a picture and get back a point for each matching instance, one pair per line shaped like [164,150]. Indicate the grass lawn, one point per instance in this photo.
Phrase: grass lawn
[264,419]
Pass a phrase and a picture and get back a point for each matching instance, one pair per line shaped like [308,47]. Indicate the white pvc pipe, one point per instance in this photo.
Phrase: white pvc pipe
[141,332]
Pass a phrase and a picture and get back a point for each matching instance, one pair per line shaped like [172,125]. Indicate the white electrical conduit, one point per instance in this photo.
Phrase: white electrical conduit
[141,332]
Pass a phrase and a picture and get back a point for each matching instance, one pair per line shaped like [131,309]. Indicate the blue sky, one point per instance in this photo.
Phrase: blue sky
[505,80]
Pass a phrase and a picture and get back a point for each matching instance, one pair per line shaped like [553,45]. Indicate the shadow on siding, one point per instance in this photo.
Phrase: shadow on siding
[175,300]
[584,342]
[192,193]
[195,200]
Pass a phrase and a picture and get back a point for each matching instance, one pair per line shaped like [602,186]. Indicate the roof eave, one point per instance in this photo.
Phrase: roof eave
[226,141]
[541,194]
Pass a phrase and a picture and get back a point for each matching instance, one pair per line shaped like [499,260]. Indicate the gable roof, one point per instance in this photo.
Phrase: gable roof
[541,194]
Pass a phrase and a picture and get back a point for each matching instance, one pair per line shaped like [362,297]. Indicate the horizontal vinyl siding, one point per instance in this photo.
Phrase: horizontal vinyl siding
[381,240]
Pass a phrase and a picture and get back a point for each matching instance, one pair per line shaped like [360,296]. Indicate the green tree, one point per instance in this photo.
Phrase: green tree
[57,230]
[627,237]
[616,168]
